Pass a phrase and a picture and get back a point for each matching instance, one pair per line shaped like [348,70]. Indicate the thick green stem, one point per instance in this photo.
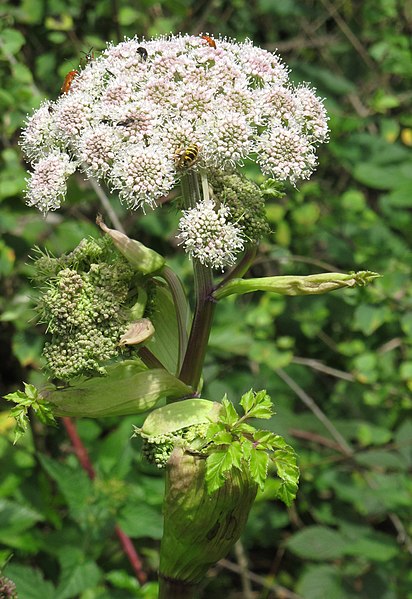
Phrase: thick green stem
[191,370]
[177,589]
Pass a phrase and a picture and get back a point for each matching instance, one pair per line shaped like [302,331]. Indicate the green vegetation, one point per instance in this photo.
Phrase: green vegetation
[338,366]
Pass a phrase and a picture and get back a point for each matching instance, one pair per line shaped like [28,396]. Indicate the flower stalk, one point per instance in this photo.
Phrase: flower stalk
[191,370]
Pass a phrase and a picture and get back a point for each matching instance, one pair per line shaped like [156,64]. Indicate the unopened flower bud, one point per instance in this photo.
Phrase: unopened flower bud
[141,258]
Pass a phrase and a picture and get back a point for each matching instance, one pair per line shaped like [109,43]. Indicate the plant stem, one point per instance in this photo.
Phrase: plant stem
[241,267]
[191,370]
[177,589]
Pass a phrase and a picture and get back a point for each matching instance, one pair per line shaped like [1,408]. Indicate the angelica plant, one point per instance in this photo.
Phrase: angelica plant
[143,118]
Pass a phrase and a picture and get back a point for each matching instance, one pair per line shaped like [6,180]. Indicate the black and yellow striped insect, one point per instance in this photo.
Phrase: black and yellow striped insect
[187,157]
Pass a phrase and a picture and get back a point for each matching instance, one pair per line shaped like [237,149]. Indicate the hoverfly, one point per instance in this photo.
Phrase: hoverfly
[68,80]
[209,40]
[187,157]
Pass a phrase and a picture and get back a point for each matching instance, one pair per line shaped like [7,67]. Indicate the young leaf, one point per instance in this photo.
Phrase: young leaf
[269,440]
[228,415]
[247,401]
[288,472]
[223,438]
[260,407]
[29,398]
[247,448]
[217,464]
[236,454]
[259,461]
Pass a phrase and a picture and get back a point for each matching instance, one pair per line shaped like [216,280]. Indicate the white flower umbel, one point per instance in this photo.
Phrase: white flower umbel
[130,114]
[207,234]
[47,185]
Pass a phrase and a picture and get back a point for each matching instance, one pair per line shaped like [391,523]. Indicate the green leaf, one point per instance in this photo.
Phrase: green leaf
[11,41]
[247,401]
[258,465]
[322,581]
[30,583]
[15,518]
[376,546]
[317,543]
[127,388]
[77,573]
[269,440]
[228,414]
[236,453]
[217,464]
[223,438]
[258,406]
[73,483]
[138,520]
[288,472]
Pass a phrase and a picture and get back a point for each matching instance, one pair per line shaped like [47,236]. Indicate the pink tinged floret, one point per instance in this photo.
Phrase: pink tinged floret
[232,102]
[46,188]
[142,175]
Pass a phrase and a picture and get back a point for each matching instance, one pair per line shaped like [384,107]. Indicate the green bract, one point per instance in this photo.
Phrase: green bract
[127,388]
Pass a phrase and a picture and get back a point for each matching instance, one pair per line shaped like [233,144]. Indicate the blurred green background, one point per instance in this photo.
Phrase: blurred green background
[338,367]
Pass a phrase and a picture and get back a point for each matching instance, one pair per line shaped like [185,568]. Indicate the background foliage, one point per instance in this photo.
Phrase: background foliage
[338,367]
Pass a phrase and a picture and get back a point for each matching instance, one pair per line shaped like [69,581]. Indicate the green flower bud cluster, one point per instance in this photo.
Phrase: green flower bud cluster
[7,588]
[246,202]
[84,303]
[158,449]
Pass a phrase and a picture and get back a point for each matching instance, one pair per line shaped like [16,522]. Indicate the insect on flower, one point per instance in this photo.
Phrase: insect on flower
[209,40]
[143,52]
[88,57]
[68,80]
[187,157]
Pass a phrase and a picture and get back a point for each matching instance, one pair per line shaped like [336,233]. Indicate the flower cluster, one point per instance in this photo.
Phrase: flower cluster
[7,588]
[245,201]
[84,305]
[208,235]
[158,449]
[130,113]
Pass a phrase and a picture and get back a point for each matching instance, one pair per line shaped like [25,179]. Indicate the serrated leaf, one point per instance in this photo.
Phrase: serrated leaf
[236,454]
[223,438]
[228,414]
[288,472]
[247,401]
[257,405]
[258,466]
[217,464]
[245,428]
[269,440]
[247,448]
